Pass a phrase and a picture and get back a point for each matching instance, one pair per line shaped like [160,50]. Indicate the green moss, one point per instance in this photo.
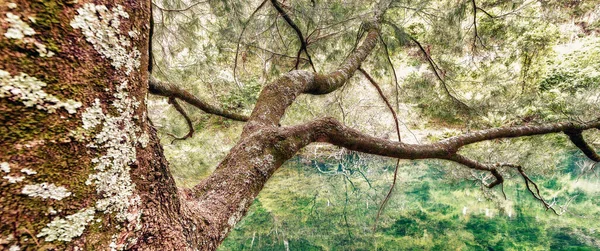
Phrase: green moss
[47,14]
[51,44]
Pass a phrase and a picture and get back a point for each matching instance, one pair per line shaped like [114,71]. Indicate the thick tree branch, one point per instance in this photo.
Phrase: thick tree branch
[277,96]
[331,131]
[516,131]
[577,138]
[172,91]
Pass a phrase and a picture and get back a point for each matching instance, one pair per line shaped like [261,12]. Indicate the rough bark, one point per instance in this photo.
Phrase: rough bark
[154,214]
[39,147]
[171,90]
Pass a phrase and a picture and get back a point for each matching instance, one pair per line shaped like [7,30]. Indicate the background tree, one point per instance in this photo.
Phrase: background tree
[74,82]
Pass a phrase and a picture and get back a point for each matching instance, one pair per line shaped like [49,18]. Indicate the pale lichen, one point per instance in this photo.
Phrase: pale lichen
[238,214]
[14,248]
[13,179]
[118,139]
[42,50]
[68,228]
[28,171]
[17,29]
[45,191]
[92,116]
[28,90]
[144,139]
[101,28]
[118,133]
[5,167]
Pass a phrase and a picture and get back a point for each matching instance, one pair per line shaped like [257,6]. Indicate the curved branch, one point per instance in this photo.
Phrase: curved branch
[188,121]
[516,131]
[277,96]
[387,103]
[172,91]
[577,138]
[537,195]
[331,131]
[435,69]
[389,60]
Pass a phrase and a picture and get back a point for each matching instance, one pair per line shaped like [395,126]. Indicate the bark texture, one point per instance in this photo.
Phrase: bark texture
[50,150]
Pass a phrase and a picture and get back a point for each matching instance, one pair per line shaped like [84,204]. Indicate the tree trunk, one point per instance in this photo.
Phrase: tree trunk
[82,168]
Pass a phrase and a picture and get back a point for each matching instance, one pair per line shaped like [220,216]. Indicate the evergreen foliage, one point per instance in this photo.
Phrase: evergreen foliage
[512,62]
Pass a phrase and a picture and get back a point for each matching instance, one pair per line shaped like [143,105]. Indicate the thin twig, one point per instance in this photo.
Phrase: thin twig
[237,49]
[389,194]
[176,10]
[188,121]
[291,23]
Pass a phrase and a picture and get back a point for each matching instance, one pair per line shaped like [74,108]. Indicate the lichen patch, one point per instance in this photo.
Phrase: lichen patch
[13,179]
[101,29]
[5,167]
[68,228]
[28,90]
[46,190]
[28,171]
[18,29]
[118,139]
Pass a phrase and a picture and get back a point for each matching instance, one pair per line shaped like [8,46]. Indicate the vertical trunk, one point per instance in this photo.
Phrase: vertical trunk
[80,165]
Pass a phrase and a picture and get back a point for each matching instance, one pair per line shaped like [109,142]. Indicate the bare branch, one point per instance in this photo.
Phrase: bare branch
[435,69]
[387,103]
[476,34]
[172,91]
[529,183]
[188,121]
[177,10]
[432,64]
[389,60]
[291,23]
[237,49]
[479,166]
[577,138]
